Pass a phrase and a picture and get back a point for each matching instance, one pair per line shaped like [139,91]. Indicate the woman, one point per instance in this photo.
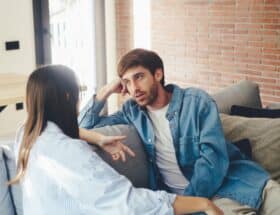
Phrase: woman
[60,174]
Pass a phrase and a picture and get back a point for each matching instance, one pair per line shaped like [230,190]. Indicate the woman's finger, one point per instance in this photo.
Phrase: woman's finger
[128,151]
[116,156]
[118,138]
[122,155]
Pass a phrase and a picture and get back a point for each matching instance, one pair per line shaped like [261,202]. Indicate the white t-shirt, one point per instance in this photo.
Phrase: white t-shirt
[165,152]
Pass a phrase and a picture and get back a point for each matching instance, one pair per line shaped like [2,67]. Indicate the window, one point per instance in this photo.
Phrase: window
[72,37]
[141,17]
[66,32]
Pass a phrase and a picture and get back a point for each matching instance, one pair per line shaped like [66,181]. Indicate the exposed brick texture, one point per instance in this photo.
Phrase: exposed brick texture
[212,44]
[124,26]
[215,43]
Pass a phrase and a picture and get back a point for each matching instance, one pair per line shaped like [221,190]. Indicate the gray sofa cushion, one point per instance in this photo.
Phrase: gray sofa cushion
[245,93]
[15,189]
[264,136]
[6,205]
[135,169]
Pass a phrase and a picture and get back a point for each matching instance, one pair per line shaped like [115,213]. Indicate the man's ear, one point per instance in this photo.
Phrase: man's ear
[158,74]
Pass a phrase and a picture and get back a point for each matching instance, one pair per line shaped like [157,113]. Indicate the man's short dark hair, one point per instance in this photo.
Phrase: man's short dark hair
[141,57]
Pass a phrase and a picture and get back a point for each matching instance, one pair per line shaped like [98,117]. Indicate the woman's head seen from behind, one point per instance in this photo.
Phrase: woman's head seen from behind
[52,94]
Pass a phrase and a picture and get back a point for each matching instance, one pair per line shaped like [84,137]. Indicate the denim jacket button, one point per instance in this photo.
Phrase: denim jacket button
[149,140]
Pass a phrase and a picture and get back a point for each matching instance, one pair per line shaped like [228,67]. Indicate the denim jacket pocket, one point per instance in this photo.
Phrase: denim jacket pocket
[188,150]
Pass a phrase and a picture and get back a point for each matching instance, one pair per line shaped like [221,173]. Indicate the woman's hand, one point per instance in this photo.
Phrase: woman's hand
[189,204]
[213,209]
[111,144]
[114,146]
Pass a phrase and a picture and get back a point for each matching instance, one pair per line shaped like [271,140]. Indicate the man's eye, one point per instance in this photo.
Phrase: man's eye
[139,76]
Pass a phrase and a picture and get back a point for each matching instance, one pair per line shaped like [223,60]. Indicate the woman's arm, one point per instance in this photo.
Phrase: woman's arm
[186,204]
[90,136]
[111,144]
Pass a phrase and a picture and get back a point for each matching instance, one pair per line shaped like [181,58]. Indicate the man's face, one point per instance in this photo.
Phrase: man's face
[141,85]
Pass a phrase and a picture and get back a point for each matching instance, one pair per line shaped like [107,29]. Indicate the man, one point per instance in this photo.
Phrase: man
[183,136]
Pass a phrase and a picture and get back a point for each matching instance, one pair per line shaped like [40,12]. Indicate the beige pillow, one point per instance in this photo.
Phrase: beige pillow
[264,136]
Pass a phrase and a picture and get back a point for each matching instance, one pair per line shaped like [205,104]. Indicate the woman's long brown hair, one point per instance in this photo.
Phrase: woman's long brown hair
[52,94]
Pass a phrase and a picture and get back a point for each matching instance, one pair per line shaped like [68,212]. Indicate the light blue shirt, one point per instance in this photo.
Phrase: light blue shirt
[64,176]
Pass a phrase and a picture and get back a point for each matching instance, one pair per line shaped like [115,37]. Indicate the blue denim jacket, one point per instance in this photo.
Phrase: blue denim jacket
[213,166]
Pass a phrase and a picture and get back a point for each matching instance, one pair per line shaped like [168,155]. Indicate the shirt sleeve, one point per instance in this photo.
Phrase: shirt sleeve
[212,166]
[90,117]
[17,141]
[101,190]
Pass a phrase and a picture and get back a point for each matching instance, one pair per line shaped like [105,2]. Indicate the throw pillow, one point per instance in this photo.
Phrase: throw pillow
[237,110]
[274,106]
[244,146]
[264,136]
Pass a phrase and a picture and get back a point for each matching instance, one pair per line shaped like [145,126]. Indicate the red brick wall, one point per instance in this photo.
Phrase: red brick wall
[124,26]
[215,43]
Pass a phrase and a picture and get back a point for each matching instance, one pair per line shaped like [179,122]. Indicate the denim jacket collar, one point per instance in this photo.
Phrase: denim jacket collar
[176,99]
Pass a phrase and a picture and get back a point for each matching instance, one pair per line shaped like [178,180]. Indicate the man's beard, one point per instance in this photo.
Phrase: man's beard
[151,98]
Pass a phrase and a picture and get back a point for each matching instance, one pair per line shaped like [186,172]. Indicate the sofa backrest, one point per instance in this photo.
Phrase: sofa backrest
[245,93]
[6,204]
[14,191]
[136,168]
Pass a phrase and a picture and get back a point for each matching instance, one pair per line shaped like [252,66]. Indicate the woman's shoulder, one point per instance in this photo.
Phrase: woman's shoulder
[54,136]
[57,147]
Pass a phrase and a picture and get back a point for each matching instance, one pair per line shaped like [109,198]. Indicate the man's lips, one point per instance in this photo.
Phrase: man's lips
[139,96]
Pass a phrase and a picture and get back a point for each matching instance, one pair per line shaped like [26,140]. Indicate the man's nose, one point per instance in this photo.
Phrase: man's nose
[134,87]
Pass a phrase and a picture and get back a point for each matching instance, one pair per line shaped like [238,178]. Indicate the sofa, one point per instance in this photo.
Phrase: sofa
[245,93]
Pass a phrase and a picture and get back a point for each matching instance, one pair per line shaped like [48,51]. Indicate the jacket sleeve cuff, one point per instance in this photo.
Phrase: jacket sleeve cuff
[89,112]
[189,191]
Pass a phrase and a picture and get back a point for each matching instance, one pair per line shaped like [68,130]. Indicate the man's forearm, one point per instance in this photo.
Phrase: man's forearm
[103,93]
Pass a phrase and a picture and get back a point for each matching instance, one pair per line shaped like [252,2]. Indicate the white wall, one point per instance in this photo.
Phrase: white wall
[16,23]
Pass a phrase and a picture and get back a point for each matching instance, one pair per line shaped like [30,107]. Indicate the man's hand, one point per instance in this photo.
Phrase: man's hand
[114,146]
[115,86]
